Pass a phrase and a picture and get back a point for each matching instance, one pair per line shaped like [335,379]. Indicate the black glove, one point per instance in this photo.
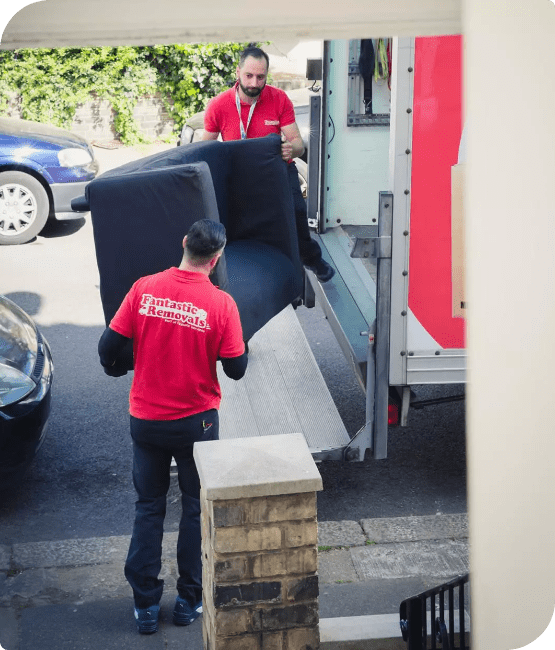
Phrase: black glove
[117,370]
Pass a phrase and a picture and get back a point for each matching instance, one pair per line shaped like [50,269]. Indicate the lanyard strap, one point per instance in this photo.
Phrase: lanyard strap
[238,103]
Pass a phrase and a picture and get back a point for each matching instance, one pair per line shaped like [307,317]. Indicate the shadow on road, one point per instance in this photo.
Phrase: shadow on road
[27,300]
[54,229]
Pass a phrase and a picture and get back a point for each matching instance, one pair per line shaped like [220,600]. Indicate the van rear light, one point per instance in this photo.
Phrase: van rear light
[392,414]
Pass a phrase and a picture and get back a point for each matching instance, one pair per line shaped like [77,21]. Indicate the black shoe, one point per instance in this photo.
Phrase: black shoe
[322,270]
[147,619]
[185,614]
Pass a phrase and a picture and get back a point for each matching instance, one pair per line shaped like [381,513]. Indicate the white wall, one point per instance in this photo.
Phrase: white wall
[54,23]
[510,101]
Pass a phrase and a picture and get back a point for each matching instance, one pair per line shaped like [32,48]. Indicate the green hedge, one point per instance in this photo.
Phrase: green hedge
[51,83]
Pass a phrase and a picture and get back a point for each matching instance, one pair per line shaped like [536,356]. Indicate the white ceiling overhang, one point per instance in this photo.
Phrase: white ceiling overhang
[58,23]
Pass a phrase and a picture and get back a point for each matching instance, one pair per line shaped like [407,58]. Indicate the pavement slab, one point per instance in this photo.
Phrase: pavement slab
[413,529]
[79,552]
[438,559]
[57,585]
[70,552]
[336,566]
[340,533]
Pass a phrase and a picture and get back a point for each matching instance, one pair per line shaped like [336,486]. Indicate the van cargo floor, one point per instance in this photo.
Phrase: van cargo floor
[282,391]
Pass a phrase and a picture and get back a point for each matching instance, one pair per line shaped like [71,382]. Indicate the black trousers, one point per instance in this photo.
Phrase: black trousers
[155,442]
[309,249]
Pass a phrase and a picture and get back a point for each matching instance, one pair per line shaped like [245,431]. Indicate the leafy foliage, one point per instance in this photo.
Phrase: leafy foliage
[50,83]
[192,74]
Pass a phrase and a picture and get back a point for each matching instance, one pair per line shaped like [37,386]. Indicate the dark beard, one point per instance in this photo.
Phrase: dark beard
[251,92]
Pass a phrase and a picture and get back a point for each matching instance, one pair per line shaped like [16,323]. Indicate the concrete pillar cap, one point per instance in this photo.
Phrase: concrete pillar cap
[253,467]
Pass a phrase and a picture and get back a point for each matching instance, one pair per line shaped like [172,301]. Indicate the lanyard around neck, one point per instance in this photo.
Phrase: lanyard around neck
[238,103]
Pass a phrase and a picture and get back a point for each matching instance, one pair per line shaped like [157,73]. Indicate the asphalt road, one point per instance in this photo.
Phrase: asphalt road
[79,485]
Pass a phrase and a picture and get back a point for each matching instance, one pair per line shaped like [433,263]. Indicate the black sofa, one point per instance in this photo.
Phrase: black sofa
[142,210]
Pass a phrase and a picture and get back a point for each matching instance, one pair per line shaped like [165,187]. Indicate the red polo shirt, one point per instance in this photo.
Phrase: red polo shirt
[273,111]
[180,324]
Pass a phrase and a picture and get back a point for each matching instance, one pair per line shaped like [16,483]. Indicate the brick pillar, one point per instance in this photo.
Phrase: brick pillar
[259,543]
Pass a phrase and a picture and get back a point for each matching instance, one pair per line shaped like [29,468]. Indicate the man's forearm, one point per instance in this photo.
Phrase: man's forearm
[298,147]
[110,345]
[209,135]
[235,367]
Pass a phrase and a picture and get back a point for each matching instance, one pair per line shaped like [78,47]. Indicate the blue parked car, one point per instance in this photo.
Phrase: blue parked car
[42,168]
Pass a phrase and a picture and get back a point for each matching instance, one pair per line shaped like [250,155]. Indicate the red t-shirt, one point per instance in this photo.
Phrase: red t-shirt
[180,324]
[273,111]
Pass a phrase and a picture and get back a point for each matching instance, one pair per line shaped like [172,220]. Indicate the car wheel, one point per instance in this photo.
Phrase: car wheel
[23,208]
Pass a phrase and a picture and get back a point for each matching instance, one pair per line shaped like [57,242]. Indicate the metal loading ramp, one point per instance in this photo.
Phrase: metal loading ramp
[282,391]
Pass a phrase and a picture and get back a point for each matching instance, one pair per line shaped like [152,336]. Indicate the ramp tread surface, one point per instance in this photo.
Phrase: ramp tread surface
[283,390]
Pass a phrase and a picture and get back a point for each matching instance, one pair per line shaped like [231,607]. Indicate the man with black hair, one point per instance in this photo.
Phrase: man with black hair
[180,325]
[254,109]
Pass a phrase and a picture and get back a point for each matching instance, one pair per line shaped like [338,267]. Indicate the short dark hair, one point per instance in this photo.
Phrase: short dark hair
[253,50]
[204,239]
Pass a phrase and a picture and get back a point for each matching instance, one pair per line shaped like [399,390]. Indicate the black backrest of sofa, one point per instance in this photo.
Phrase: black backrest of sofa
[251,184]
[259,199]
[140,219]
[208,152]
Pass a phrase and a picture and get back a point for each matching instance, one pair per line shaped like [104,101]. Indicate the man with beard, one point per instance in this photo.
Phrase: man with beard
[254,109]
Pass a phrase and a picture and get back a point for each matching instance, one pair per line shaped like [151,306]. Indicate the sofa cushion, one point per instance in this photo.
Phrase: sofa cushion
[262,280]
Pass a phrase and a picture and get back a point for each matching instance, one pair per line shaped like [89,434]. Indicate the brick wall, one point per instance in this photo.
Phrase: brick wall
[94,120]
[261,560]
[259,550]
